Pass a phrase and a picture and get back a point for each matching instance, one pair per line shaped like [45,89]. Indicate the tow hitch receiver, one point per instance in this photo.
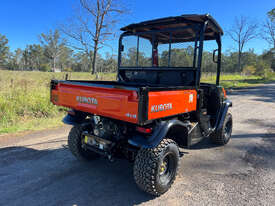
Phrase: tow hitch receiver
[98,145]
[97,142]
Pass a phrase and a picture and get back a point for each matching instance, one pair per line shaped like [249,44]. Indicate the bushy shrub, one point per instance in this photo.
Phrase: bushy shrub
[45,68]
[67,69]
[262,69]
[249,70]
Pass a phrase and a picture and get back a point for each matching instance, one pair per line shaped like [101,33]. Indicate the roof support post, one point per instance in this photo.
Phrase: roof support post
[195,50]
[198,73]
[119,56]
[169,54]
[137,51]
[219,59]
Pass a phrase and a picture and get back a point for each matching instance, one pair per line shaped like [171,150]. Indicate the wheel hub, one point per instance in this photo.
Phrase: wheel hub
[163,166]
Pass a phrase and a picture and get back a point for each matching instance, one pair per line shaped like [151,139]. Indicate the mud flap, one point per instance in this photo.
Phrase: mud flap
[78,118]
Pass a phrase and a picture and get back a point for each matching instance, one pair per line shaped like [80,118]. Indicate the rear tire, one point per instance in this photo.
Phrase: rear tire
[155,169]
[75,140]
[223,136]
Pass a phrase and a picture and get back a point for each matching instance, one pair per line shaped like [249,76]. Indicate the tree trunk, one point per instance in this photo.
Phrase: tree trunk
[239,61]
[53,64]
[94,59]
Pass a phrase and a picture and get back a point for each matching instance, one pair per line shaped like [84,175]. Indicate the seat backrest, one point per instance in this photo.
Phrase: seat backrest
[177,78]
[162,77]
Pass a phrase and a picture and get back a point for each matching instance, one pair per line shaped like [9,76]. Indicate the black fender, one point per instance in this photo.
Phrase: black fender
[77,118]
[224,109]
[159,133]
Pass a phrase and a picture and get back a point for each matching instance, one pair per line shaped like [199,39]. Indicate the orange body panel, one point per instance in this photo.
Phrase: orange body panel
[169,103]
[109,102]
[123,104]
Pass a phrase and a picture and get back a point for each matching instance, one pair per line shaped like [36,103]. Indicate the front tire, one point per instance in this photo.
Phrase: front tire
[75,142]
[155,169]
[223,136]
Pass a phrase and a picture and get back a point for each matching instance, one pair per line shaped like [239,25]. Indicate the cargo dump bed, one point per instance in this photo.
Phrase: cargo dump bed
[133,103]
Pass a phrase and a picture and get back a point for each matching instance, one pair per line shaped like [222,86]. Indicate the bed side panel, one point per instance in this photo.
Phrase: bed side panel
[168,103]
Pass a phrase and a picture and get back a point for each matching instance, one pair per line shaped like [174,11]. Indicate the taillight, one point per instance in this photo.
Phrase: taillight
[133,96]
[224,92]
[144,130]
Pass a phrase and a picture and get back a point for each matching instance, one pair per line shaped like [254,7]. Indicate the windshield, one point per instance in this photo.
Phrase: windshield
[150,50]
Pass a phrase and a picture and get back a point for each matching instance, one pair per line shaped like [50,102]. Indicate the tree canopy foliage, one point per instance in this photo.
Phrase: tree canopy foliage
[4,49]
[53,52]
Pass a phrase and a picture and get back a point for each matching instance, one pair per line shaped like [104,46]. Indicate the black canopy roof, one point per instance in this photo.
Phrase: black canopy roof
[175,23]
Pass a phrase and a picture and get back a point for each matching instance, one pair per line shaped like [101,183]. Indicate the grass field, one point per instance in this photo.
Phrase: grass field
[24,99]
[25,104]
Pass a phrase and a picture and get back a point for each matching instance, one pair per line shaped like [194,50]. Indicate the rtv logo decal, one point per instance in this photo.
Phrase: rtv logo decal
[161,107]
[87,100]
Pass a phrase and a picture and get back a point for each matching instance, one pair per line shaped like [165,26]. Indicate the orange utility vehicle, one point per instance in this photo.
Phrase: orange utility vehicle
[157,104]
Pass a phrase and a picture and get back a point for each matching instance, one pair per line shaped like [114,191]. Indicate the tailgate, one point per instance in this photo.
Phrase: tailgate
[102,100]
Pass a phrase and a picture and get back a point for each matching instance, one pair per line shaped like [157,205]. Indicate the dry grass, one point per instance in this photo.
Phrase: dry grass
[25,99]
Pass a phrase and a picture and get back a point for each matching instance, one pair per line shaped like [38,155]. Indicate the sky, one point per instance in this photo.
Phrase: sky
[23,20]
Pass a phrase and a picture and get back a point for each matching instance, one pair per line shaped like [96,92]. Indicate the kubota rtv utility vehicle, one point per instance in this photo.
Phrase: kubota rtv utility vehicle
[157,104]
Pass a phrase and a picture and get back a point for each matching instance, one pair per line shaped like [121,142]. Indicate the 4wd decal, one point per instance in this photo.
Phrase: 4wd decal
[87,100]
[132,116]
[161,107]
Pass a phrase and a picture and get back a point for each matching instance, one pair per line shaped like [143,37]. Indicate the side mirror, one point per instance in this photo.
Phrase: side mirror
[122,48]
[214,55]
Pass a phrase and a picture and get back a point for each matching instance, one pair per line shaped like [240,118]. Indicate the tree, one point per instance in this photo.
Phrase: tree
[92,26]
[32,58]
[271,14]
[242,32]
[4,50]
[269,57]
[262,68]
[229,61]
[268,32]
[18,54]
[207,62]
[65,59]
[53,46]
[80,62]
[110,63]
[15,60]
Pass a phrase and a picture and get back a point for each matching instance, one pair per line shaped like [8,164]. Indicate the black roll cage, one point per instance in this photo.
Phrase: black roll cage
[200,29]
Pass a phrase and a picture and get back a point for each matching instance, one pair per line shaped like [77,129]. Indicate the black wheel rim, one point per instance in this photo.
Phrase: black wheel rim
[167,169]
[228,129]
